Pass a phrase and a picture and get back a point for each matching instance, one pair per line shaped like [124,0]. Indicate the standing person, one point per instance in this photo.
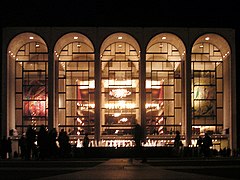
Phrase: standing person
[200,145]
[177,142]
[63,140]
[23,146]
[42,140]
[9,148]
[52,141]
[85,144]
[86,141]
[207,143]
[137,133]
[3,147]
[30,140]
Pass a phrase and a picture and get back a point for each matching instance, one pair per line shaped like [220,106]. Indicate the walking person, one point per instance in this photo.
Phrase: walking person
[138,134]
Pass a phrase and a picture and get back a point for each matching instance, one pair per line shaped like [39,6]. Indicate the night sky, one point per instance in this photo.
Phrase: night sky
[168,13]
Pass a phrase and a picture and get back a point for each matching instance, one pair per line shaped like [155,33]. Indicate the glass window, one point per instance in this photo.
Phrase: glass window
[31,84]
[76,109]
[207,91]
[120,89]
[163,88]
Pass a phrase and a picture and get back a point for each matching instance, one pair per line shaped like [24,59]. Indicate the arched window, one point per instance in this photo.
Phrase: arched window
[76,86]
[164,85]
[209,59]
[30,54]
[119,84]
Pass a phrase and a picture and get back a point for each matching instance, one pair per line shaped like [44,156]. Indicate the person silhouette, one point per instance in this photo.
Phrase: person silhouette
[30,140]
[200,145]
[177,143]
[43,142]
[86,141]
[137,133]
[207,143]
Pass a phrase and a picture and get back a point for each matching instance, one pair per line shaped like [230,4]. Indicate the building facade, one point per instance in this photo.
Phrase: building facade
[104,80]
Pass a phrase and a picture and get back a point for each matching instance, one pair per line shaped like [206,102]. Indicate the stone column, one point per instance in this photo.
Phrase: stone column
[142,88]
[188,105]
[51,89]
[97,95]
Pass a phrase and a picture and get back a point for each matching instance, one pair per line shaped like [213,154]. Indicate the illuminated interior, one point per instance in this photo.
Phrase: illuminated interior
[119,85]
[208,85]
[31,82]
[76,86]
[126,89]
[164,112]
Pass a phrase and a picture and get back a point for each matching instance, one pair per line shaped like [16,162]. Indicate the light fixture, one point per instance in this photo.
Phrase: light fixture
[207,38]
[123,120]
[119,93]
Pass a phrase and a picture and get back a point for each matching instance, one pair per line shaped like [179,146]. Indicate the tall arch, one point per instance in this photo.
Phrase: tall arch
[165,54]
[120,55]
[211,92]
[27,82]
[75,84]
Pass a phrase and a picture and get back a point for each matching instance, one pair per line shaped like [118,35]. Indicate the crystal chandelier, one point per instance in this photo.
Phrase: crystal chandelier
[119,93]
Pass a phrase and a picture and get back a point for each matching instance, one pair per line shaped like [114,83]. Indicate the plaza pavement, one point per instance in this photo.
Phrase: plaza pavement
[122,168]
[131,169]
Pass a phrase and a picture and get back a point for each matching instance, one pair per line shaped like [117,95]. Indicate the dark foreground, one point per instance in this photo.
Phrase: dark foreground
[122,168]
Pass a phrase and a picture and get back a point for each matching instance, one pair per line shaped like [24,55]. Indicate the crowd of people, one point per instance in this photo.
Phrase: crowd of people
[39,144]
[43,144]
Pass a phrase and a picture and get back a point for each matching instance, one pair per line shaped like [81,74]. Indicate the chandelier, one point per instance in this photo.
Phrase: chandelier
[119,93]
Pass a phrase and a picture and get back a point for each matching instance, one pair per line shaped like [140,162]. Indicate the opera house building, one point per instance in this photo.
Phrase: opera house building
[104,80]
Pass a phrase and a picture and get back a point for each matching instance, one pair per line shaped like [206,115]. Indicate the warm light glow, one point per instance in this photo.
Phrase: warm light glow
[124,120]
[119,93]
[207,38]
[120,105]
[116,114]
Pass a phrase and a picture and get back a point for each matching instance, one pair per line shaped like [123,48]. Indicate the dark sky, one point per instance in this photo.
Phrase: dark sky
[181,13]
[125,13]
